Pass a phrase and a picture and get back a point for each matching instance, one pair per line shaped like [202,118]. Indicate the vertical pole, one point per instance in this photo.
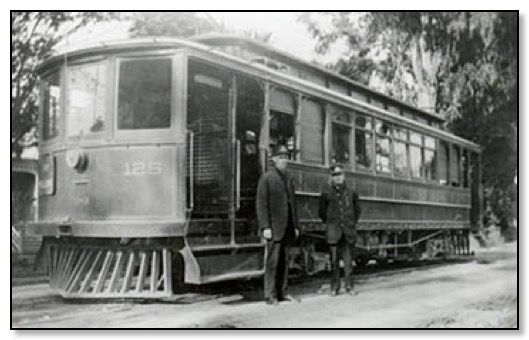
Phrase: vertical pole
[298,130]
[232,124]
[265,128]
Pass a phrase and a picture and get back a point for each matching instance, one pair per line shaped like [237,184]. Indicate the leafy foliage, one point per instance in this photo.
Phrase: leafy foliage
[462,65]
[33,35]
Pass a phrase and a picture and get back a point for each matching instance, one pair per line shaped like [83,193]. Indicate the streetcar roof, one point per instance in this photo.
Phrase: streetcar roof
[147,43]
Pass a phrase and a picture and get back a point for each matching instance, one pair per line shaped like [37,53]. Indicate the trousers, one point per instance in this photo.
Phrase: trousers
[276,270]
[345,251]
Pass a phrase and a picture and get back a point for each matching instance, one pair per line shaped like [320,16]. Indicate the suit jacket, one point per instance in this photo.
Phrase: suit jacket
[272,203]
[340,211]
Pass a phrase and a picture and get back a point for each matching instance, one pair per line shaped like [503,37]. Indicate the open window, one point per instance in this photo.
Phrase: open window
[364,142]
[283,122]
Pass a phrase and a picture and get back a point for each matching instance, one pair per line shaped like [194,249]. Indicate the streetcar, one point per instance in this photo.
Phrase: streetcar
[151,149]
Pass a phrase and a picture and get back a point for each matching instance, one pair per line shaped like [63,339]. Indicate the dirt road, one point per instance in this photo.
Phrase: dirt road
[478,294]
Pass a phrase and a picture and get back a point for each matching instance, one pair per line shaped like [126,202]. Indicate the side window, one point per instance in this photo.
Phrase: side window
[416,161]
[430,158]
[444,163]
[51,105]
[283,121]
[455,169]
[464,167]
[341,136]
[383,146]
[400,136]
[144,94]
[86,88]
[364,142]
[312,131]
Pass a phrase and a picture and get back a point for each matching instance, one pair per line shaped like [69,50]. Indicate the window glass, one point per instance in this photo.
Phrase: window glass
[455,166]
[144,100]
[382,128]
[51,105]
[444,163]
[282,131]
[415,161]
[342,116]
[429,142]
[340,143]
[364,149]
[400,133]
[415,137]
[464,166]
[401,159]
[364,122]
[430,172]
[382,160]
[86,99]
[312,131]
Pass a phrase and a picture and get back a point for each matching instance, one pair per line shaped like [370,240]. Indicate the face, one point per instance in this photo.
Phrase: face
[281,161]
[338,179]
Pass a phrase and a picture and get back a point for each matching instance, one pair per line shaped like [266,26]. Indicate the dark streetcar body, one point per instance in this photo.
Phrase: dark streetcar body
[151,150]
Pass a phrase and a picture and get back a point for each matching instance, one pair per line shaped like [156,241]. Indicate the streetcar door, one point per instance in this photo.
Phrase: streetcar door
[249,111]
[208,123]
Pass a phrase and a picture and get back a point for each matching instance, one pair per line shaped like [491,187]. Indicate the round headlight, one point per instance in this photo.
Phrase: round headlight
[76,159]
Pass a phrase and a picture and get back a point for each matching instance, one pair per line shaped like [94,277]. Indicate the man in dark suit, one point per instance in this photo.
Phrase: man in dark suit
[340,210]
[278,223]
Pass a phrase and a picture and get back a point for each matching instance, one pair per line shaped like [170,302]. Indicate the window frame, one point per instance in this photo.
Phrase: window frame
[60,126]
[107,63]
[371,168]
[178,91]
[333,110]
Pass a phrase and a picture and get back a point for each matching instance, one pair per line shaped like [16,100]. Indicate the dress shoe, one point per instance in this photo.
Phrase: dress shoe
[289,298]
[272,302]
[351,291]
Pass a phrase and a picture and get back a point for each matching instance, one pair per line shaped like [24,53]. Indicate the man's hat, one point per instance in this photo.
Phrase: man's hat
[336,170]
[280,150]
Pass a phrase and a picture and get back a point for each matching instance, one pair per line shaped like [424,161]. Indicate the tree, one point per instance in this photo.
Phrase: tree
[185,25]
[462,65]
[178,24]
[33,36]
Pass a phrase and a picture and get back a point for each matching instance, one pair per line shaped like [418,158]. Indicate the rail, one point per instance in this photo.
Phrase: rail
[191,170]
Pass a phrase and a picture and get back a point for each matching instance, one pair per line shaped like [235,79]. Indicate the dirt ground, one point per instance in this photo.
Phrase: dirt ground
[478,294]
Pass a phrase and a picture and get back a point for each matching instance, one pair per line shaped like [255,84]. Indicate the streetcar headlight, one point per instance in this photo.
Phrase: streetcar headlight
[76,159]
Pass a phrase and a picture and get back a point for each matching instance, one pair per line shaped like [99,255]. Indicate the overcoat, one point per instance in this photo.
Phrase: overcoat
[272,203]
[340,210]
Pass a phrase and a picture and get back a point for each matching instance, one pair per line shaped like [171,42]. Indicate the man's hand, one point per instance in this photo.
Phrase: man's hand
[297,233]
[267,233]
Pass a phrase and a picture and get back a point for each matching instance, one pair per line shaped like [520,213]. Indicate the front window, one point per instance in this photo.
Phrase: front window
[86,99]
[51,105]
[144,98]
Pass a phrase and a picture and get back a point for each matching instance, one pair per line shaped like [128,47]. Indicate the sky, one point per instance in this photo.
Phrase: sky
[284,27]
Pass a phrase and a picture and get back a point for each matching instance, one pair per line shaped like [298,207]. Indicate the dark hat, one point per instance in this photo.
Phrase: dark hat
[280,150]
[336,170]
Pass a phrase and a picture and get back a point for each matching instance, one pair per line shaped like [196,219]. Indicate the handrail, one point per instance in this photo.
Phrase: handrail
[191,203]
[238,180]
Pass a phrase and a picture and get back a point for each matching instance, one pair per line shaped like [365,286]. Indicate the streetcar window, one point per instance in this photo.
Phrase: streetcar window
[340,143]
[415,137]
[464,166]
[401,159]
[51,105]
[415,161]
[144,99]
[444,163]
[382,128]
[86,99]
[364,149]
[382,159]
[455,166]
[312,131]
[429,167]
[400,133]
[364,142]
[282,131]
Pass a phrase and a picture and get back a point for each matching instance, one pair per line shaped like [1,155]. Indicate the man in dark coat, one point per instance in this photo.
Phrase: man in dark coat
[278,223]
[340,210]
